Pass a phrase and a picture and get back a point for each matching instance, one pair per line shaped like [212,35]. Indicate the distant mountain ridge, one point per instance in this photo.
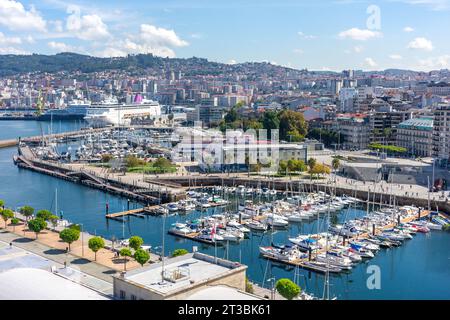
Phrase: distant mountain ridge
[140,63]
[147,63]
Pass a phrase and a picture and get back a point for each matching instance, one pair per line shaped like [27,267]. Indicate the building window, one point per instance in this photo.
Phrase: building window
[133,297]
[122,295]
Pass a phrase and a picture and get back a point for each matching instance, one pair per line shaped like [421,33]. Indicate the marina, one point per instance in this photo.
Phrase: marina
[85,205]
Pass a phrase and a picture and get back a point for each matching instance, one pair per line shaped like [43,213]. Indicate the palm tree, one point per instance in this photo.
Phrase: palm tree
[335,164]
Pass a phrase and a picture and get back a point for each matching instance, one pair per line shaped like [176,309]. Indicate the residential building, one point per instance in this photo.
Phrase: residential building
[416,135]
[354,130]
[441,134]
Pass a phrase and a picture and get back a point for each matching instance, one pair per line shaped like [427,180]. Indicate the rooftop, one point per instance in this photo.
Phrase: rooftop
[417,123]
[38,284]
[182,272]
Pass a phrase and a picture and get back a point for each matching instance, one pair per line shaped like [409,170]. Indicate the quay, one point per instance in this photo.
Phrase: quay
[27,160]
[293,186]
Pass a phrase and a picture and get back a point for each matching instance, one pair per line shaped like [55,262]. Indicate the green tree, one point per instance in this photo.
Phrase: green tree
[270,121]
[248,286]
[69,235]
[319,169]
[287,288]
[133,161]
[15,222]
[179,252]
[136,242]
[27,211]
[293,126]
[335,164]
[53,220]
[125,252]
[2,204]
[141,256]
[95,244]
[231,116]
[282,167]
[37,225]
[44,215]
[6,215]
[311,163]
[106,158]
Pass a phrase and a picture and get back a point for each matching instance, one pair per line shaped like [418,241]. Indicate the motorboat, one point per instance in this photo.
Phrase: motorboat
[180,229]
[341,262]
[305,243]
[287,254]
[256,225]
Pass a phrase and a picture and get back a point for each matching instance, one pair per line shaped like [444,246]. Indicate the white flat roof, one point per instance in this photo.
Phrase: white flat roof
[198,269]
[38,284]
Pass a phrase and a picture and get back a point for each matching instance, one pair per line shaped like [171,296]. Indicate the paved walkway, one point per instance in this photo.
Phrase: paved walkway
[82,271]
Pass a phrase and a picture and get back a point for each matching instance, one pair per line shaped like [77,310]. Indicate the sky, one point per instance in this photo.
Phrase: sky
[317,35]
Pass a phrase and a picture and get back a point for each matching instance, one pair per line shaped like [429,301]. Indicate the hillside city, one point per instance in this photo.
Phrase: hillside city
[350,110]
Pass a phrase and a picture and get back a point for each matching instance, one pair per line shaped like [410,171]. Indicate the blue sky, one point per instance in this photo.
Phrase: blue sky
[318,35]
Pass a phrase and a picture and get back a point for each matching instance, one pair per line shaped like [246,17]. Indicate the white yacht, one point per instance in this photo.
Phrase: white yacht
[110,112]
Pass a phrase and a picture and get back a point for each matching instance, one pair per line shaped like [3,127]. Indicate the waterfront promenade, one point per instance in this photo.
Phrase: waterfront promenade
[80,254]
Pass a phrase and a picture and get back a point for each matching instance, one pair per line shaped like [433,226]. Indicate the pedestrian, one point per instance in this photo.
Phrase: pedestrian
[10,245]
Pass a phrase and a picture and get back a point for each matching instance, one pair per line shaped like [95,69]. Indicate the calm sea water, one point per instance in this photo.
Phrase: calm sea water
[420,269]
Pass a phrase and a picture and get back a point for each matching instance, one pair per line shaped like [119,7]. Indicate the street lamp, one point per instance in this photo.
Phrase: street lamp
[82,240]
[272,290]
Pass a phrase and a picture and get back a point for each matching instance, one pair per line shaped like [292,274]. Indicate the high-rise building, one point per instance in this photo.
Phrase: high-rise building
[347,99]
[441,134]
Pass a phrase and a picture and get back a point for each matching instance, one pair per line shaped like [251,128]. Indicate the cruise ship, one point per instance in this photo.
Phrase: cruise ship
[75,110]
[111,112]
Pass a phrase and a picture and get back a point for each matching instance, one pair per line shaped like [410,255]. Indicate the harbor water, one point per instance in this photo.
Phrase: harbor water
[419,269]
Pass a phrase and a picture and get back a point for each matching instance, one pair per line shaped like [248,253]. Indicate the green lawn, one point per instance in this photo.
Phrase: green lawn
[149,168]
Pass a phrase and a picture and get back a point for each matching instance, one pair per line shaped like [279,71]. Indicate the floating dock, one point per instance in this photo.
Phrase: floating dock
[301,262]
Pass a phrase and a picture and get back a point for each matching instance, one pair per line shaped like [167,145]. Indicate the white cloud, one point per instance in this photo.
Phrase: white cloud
[160,37]
[57,26]
[433,63]
[60,46]
[86,27]
[395,57]
[12,50]
[358,49]
[408,29]
[436,5]
[9,40]
[306,36]
[359,34]
[298,51]
[370,62]
[196,36]
[30,39]
[151,39]
[14,16]
[421,44]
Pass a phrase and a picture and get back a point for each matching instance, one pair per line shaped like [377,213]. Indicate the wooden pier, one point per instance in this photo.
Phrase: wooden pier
[131,212]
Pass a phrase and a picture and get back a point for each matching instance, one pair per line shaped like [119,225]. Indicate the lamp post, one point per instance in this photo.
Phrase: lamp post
[82,240]
[272,290]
